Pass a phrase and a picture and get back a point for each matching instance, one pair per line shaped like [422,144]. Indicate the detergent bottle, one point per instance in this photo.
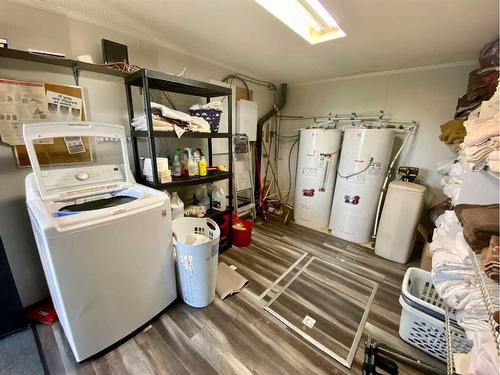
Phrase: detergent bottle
[202,165]
[176,206]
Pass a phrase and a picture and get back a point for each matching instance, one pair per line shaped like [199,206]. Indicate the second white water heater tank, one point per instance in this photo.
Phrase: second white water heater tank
[361,172]
[315,179]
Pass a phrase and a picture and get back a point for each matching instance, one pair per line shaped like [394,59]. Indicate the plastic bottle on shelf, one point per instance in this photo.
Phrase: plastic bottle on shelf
[201,195]
[192,165]
[184,162]
[176,206]
[202,165]
[176,165]
[196,155]
[218,199]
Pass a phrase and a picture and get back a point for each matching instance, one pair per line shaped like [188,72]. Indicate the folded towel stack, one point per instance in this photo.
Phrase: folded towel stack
[159,123]
[490,261]
[482,81]
[453,132]
[480,147]
[480,222]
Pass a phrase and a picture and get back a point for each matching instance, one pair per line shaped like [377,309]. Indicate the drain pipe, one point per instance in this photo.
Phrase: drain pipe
[259,140]
[386,183]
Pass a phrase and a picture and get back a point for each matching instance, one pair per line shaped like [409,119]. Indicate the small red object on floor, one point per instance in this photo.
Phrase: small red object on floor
[242,232]
[42,312]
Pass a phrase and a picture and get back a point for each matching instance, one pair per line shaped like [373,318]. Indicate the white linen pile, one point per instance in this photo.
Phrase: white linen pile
[481,360]
[453,172]
[217,105]
[167,119]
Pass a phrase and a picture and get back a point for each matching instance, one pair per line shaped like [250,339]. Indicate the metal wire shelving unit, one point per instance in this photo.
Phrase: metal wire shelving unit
[486,286]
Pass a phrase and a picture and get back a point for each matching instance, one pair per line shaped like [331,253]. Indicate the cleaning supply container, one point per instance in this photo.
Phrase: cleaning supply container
[398,222]
[196,242]
[422,321]
[176,206]
[242,232]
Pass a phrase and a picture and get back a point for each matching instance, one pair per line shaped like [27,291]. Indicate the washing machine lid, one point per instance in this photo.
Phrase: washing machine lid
[77,159]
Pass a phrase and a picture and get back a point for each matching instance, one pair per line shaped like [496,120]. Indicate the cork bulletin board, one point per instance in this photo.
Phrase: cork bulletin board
[57,153]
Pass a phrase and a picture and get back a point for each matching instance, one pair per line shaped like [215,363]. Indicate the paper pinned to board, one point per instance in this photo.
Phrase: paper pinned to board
[74,145]
[20,103]
[64,107]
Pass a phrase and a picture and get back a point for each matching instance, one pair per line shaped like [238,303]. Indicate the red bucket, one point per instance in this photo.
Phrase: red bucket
[242,232]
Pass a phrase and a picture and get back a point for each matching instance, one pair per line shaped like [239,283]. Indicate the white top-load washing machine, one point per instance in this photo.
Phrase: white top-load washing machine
[105,242]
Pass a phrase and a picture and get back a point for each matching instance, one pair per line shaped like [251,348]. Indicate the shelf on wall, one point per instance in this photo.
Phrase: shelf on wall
[172,134]
[69,63]
[180,85]
[193,180]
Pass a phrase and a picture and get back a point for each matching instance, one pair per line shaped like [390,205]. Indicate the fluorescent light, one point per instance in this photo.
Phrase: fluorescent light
[322,12]
[308,18]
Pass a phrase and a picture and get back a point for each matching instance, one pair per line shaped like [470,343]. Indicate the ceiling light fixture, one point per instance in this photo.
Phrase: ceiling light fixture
[308,18]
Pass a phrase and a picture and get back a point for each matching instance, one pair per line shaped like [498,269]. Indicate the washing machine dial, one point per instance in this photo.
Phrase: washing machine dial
[82,176]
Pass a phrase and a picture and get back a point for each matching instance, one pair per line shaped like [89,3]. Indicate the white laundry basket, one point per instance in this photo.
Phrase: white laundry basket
[196,264]
[422,321]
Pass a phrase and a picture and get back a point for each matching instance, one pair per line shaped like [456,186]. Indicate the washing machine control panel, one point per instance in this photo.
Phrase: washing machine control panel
[70,178]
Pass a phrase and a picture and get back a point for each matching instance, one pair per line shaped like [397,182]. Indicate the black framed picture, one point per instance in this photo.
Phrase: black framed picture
[113,52]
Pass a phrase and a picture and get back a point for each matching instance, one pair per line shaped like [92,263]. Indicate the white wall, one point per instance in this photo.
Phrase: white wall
[428,96]
[27,27]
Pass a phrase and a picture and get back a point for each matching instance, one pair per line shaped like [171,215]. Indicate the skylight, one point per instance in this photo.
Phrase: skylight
[308,18]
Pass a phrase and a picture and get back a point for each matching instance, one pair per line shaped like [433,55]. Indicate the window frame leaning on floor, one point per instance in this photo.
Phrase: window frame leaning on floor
[359,332]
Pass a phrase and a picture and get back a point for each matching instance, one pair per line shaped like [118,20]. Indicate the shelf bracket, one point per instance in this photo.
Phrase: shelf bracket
[76,73]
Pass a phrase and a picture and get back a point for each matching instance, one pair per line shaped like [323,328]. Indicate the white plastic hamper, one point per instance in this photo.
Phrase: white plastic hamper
[421,325]
[196,265]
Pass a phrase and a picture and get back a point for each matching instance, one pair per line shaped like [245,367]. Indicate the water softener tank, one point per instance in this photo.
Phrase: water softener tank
[315,177]
[398,222]
[360,175]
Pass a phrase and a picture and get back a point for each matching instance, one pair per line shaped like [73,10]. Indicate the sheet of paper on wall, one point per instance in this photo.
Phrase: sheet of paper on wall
[20,103]
[64,107]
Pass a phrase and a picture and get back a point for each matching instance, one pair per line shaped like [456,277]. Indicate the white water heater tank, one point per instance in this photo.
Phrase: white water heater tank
[361,172]
[315,177]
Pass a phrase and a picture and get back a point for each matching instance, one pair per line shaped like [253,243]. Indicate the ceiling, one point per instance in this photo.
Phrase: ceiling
[381,34]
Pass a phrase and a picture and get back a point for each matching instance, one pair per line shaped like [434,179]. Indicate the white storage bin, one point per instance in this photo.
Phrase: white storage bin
[196,264]
[422,317]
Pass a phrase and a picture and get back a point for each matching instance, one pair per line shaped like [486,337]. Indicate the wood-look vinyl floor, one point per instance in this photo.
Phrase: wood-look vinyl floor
[237,336]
